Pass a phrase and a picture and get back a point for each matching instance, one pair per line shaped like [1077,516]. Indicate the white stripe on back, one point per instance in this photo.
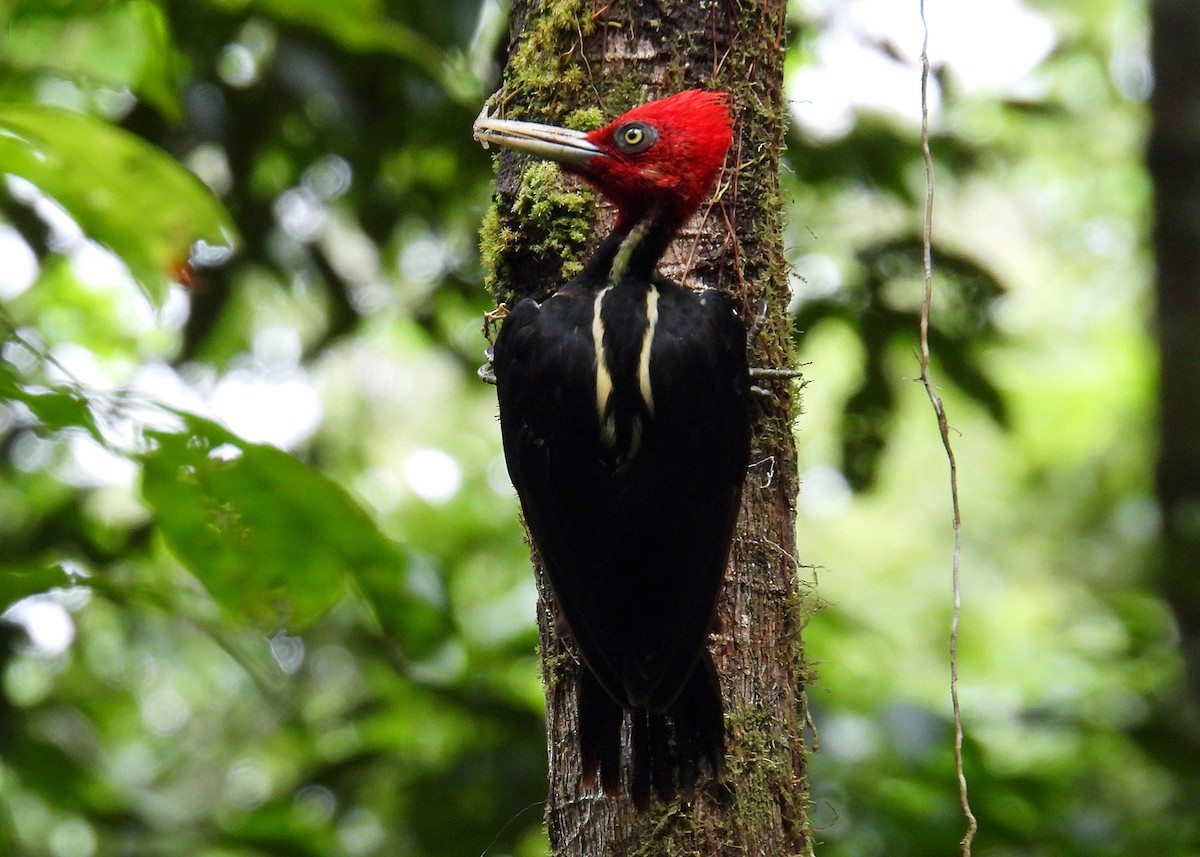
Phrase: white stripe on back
[604,383]
[647,342]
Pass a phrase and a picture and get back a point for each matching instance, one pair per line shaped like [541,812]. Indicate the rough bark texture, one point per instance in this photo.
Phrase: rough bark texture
[578,62]
[1174,161]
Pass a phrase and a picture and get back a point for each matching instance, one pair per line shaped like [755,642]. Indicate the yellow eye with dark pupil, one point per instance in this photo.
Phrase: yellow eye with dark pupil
[633,138]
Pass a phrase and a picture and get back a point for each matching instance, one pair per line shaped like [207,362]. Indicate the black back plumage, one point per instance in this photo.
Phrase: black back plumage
[631,496]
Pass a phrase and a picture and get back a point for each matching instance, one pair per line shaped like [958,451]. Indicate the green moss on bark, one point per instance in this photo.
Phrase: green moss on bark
[548,221]
[542,62]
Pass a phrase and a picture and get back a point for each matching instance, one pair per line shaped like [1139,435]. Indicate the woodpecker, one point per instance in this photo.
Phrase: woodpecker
[624,414]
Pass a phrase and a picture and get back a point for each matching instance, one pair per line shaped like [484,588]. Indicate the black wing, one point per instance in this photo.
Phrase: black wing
[635,548]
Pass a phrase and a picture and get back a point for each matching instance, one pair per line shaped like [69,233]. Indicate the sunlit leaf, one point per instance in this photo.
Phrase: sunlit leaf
[18,583]
[123,192]
[56,408]
[122,45]
[272,539]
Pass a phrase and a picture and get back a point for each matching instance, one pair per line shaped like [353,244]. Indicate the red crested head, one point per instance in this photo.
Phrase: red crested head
[658,158]
[664,154]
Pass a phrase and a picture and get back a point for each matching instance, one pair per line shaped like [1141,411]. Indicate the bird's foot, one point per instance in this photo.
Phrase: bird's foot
[765,373]
[491,318]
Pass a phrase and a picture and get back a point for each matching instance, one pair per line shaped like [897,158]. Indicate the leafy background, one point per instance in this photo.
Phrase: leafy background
[266,591]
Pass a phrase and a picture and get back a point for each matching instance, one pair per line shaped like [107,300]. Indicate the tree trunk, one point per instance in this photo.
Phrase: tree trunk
[581,62]
[1174,161]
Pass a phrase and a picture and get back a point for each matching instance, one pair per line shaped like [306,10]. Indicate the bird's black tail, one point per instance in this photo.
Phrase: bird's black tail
[666,746]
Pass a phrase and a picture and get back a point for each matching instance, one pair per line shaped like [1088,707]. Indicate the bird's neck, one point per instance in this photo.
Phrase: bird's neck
[632,250]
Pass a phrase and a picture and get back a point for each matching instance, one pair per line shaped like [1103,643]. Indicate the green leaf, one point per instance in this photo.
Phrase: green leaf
[123,45]
[18,583]
[356,24]
[363,25]
[272,540]
[56,408]
[123,192]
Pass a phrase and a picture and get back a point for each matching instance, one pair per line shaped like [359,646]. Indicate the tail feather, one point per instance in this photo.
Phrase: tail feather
[663,760]
[599,734]
[642,750]
[666,747]
[688,752]
[700,718]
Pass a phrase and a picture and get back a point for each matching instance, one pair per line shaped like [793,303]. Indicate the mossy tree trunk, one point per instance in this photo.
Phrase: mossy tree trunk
[578,62]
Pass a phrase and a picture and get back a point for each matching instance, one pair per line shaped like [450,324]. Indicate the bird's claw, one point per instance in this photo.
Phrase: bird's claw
[771,374]
[766,373]
[487,372]
[760,317]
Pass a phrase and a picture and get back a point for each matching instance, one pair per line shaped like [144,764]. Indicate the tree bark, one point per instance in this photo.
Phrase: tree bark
[1174,160]
[581,62]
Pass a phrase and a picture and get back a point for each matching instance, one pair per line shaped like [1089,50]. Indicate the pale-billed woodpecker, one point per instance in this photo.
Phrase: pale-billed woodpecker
[625,421]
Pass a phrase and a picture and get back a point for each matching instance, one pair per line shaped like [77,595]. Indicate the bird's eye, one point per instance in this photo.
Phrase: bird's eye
[635,137]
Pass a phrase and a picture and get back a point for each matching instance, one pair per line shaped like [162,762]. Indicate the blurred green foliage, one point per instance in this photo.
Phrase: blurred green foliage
[99,174]
[265,588]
